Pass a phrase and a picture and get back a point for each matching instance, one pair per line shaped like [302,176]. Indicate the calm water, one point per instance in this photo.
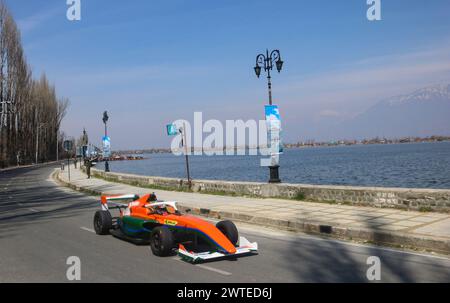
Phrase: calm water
[422,165]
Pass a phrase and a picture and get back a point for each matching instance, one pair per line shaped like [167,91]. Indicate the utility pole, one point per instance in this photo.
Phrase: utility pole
[37,136]
[57,146]
[173,130]
[184,143]
[40,125]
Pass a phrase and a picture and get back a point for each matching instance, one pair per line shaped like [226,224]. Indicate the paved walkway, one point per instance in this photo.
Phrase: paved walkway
[422,230]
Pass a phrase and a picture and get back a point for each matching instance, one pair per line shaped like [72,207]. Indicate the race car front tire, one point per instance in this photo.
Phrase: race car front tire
[161,241]
[102,222]
[229,230]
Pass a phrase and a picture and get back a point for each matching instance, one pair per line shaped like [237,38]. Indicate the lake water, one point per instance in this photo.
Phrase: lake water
[421,165]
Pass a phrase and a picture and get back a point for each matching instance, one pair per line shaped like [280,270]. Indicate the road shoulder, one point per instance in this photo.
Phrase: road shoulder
[390,227]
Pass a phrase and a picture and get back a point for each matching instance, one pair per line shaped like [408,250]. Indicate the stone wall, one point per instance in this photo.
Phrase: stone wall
[405,198]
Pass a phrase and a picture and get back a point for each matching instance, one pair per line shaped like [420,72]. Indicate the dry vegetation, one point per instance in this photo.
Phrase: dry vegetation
[28,105]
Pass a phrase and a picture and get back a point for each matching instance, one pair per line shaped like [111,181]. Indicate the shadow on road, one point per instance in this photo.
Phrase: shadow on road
[336,261]
[27,197]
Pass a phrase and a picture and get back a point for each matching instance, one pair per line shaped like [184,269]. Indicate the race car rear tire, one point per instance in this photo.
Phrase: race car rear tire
[161,241]
[229,230]
[102,222]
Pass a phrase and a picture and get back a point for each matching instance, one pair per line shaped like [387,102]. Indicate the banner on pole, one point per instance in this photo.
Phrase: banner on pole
[172,130]
[273,122]
[106,147]
[79,152]
[68,145]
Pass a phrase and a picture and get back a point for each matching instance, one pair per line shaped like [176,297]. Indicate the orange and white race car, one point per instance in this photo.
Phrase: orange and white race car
[148,220]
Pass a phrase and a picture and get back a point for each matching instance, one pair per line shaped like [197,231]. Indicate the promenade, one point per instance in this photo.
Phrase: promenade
[393,227]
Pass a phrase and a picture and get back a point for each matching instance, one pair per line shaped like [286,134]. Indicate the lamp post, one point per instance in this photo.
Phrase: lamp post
[105,120]
[185,145]
[40,125]
[57,146]
[267,61]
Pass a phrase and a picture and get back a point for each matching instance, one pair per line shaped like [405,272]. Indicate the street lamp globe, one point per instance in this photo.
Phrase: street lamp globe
[279,64]
[105,117]
[258,70]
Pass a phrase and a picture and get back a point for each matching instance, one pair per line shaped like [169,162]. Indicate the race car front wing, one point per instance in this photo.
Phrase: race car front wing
[245,247]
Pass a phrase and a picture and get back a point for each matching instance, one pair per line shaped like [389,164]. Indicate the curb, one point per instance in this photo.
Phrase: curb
[393,239]
[29,166]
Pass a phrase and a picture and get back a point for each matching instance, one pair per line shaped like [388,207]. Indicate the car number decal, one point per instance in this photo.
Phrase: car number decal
[170,222]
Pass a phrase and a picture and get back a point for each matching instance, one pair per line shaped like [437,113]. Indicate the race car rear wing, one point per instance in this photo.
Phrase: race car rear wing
[114,199]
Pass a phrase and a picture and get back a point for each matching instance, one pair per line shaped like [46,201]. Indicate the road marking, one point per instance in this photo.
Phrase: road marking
[399,251]
[88,229]
[216,270]
[219,271]
[268,232]
[30,209]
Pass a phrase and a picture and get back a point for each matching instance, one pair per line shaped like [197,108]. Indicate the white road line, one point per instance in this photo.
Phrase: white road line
[219,271]
[30,209]
[399,251]
[287,237]
[87,229]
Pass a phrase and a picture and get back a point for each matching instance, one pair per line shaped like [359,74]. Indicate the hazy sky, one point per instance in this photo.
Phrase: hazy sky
[151,62]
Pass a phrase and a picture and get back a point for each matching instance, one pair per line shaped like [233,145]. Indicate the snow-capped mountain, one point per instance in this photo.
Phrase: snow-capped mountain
[424,112]
[432,93]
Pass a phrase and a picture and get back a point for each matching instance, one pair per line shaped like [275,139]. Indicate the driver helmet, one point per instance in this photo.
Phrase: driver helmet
[152,198]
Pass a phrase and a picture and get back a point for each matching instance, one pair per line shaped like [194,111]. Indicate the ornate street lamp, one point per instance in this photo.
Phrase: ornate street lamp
[267,62]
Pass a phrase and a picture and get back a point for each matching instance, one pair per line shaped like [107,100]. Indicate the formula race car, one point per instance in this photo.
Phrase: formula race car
[146,220]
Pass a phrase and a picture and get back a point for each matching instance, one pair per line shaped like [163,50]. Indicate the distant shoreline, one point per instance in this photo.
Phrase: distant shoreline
[434,139]
[308,144]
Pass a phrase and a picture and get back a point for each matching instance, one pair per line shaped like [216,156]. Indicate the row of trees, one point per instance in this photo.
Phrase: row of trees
[30,111]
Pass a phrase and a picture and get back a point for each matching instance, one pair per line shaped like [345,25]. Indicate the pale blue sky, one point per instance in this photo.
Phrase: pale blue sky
[151,62]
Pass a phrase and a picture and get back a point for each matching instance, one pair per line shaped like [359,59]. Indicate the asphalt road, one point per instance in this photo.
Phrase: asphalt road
[42,224]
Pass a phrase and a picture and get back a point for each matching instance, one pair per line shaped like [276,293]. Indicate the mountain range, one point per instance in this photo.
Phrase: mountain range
[424,112]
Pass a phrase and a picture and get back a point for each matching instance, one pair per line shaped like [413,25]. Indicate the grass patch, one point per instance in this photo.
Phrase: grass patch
[218,193]
[149,186]
[299,196]
[346,203]
[177,189]
[425,209]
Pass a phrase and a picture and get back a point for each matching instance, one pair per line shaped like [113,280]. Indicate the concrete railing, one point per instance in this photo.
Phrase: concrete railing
[405,198]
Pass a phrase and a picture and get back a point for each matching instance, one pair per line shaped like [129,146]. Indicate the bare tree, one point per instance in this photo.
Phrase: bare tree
[31,113]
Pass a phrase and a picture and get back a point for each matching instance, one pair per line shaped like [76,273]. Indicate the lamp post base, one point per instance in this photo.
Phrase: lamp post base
[274,175]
